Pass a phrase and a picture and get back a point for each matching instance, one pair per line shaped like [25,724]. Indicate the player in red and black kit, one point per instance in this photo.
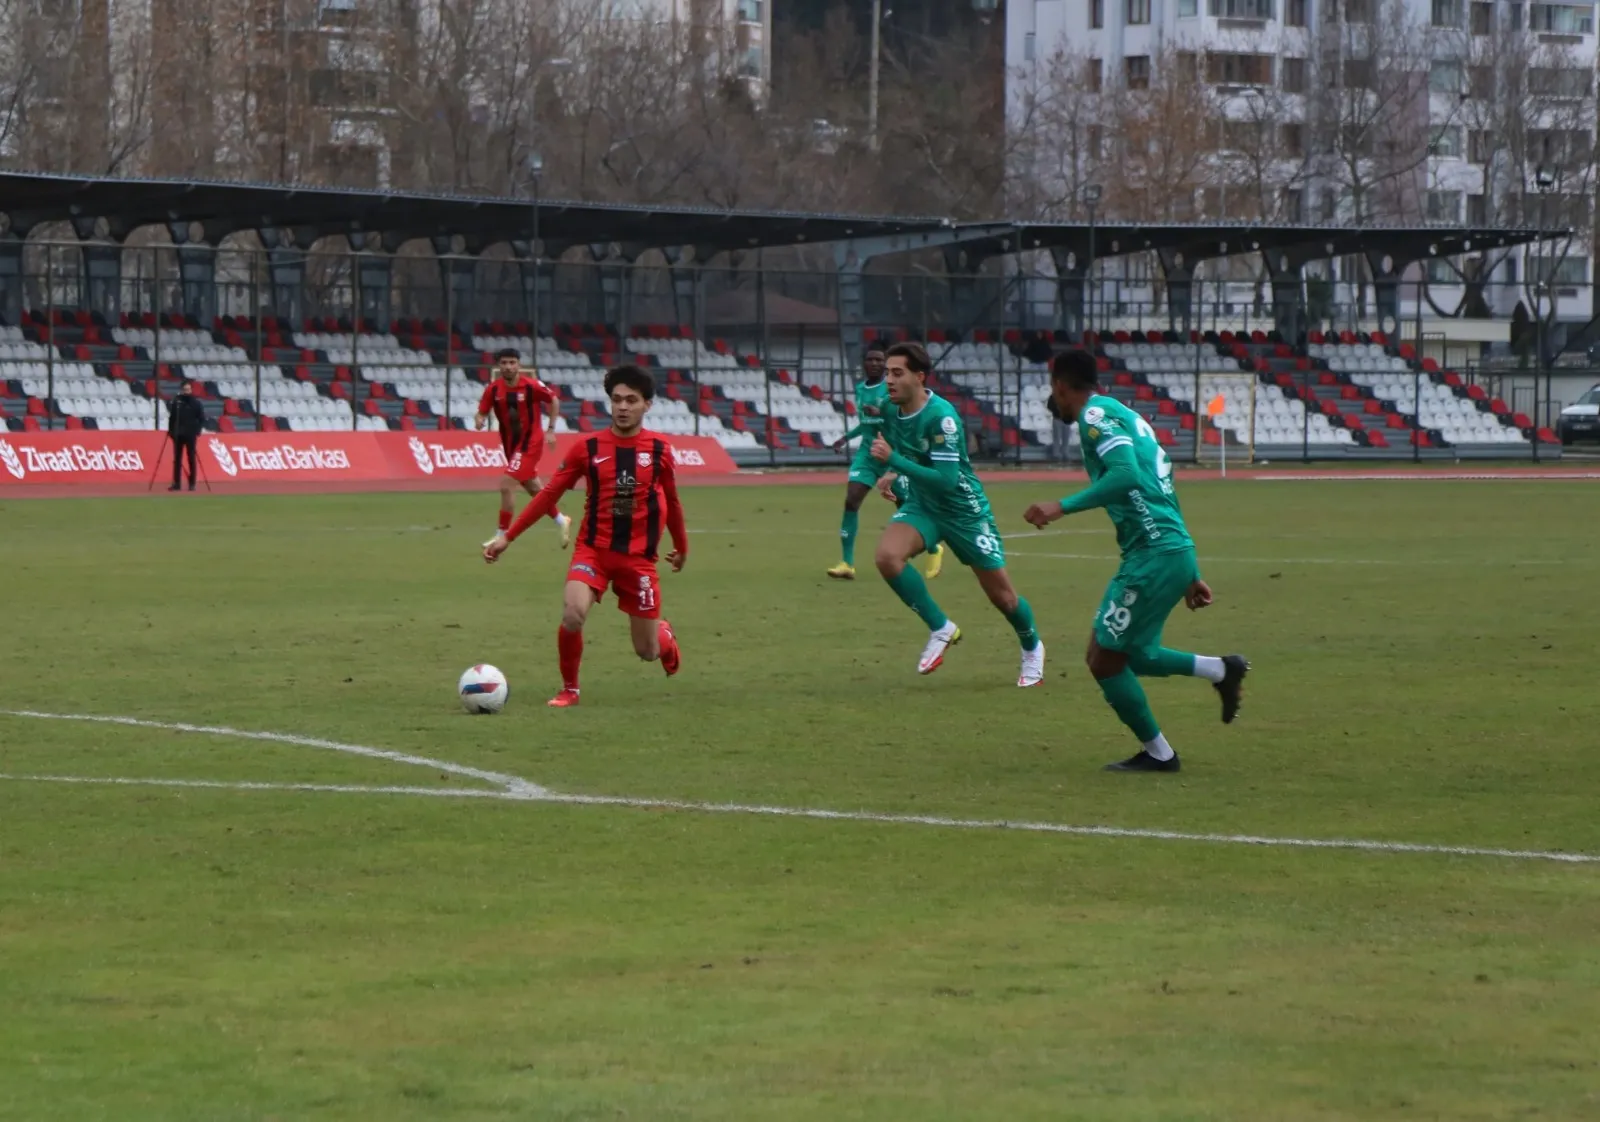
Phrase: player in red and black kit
[632,496]
[514,399]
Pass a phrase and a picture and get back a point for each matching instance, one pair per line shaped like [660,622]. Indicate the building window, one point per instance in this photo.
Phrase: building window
[1294,75]
[1445,76]
[750,11]
[1482,18]
[1096,70]
[1444,206]
[1097,142]
[1445,142]
[1330,206]
[1558,270]
[1447,13]
[1358,11]
[1238,70]
[1138,12]
[1294,13]
[1480,82]
[1293,139]
[1358,73]
[1514,18]
[1480,146]
[1561,19]
[1136,72]
[1477,210]
[1188,66]
[1292,204]
[1240,9]
[1097,14]
[1559,81]
[1027,47]
[1188,9]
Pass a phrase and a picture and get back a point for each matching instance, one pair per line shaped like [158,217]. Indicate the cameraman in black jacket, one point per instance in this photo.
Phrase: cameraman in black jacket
[186,420]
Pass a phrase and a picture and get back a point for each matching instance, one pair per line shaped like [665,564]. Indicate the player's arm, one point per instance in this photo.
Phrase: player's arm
[564,480]
[677,530]
[1121,476]
[485,403]
[859,430]
[553,411]
[940,477]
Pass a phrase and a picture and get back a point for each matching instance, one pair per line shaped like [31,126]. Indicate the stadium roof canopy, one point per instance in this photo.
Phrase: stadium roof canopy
[28,199]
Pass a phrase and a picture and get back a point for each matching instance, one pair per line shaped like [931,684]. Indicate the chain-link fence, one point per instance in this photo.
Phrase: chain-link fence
[1243,369]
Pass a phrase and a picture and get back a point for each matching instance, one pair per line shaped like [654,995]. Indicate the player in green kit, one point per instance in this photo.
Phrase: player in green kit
[925,446]
[872,405]
[1131,477]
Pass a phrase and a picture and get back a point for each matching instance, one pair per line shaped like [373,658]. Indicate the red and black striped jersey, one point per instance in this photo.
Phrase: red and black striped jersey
[632,494]
[516,407]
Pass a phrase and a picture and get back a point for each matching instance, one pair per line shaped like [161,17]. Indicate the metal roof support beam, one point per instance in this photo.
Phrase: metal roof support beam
[197,272]
[286,265]
[459,274]
[374,278]
[1387,269]
[1072,271]
[688,302]
[1178,269]
[11,289]
[1286,272]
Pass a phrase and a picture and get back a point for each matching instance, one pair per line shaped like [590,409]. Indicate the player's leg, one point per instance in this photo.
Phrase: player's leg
[638,589]
[907,535]
[563,523]
[855,492]
[996,584]
[1127,629]
[577,598]
[508,501]
[1166,580]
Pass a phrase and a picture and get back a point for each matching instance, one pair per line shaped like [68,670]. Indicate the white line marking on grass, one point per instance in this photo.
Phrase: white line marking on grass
[509,782]
[510,788]
[1209,557]
[1523,476]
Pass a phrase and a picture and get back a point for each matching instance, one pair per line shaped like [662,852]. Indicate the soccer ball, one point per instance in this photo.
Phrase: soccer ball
[482,689]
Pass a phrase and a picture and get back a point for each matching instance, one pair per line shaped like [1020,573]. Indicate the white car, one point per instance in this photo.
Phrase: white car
[1581,419]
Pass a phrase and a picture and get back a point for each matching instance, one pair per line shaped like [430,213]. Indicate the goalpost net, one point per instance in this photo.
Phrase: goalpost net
[1226,424]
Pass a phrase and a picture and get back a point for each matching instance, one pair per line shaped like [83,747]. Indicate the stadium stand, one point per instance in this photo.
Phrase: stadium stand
[1335,394]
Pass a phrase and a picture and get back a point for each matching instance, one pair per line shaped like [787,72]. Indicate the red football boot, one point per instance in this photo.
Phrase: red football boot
[564,700]
[671,657]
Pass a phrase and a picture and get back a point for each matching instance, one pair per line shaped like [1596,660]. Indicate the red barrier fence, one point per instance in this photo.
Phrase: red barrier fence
[91,458]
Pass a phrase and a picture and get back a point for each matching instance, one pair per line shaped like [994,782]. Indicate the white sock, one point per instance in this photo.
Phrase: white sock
[1209,667]
[947,630]
[1159,748]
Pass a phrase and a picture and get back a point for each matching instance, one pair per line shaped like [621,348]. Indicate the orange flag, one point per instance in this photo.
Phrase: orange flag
[1215,406]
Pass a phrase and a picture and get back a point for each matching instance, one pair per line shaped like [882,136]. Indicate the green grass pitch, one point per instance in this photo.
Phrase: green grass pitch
[1424,660]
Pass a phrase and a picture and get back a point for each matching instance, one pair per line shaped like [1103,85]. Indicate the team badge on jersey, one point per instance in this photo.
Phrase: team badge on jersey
[948,425]
[644,459]
[1094,414]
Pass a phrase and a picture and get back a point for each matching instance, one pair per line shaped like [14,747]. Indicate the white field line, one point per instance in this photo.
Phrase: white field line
[1424,477]
[1207,558]
[506,782]
[512,789]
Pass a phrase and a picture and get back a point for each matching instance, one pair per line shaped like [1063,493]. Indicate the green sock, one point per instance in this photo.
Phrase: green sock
[1165,663]
[913,590]
[847,535]
[1021,622]
[1127,698]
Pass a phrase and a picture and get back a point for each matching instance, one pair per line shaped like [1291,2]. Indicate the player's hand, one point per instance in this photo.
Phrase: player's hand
[550,439]
[1042,514]
[1198,595]
[881,450]
[492,551]
[676,559]
[479,421]
[838,445]
[886,485]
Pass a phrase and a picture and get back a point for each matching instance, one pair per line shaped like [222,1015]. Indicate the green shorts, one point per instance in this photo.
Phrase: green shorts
[865,470]
[976,544]
[1140,598]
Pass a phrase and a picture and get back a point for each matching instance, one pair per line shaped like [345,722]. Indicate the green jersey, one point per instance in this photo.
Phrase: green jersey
[1144,509]
[872,407]
[934,438]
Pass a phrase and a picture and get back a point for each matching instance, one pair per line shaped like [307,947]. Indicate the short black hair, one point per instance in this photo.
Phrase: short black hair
[634,378]
[508,352]
[1077,369]
[872,349]
[915,354]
